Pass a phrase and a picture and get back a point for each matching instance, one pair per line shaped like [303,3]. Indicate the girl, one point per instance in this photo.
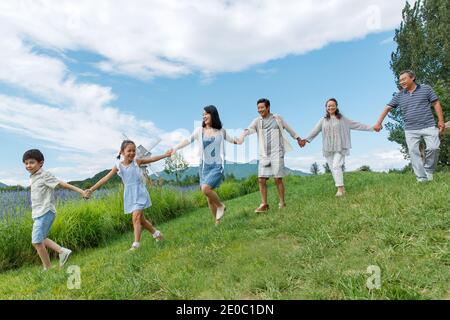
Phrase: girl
[136,196]
[336,140]
[212,152]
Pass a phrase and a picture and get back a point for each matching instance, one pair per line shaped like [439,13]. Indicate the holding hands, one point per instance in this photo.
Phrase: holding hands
[87,194]
[169,153]
[377,127]
[301,142]
[441,126]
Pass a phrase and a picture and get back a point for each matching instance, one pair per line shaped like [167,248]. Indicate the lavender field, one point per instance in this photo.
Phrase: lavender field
[18,203]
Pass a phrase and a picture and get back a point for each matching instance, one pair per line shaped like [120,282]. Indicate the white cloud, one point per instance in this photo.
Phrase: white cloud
[147,39]
[172,38]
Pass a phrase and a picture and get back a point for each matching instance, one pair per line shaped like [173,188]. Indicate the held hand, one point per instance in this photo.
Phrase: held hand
[240,141]
[87,194]
[441,126]
[377,127]
[304,142]
[169,153]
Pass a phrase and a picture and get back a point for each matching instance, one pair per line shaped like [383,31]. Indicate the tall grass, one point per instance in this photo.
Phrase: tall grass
[85,224]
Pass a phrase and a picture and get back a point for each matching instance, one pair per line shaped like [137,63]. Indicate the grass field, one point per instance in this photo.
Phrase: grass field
[319,247]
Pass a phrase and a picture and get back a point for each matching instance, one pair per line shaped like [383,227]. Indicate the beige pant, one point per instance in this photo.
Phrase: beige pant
[335,162]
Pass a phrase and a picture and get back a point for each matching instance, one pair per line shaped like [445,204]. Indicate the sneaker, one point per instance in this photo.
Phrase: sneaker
[135,246]
[429,176]
[64,256]
[281,205]
[158,235]
[220,212]
[262,208]
[339,194]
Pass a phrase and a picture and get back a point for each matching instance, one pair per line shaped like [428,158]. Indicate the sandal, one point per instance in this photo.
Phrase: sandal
[262,208]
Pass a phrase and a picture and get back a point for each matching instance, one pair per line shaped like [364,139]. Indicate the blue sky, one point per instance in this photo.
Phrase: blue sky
[72,98]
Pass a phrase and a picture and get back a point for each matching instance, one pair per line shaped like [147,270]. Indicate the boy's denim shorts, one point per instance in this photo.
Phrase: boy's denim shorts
[41,227]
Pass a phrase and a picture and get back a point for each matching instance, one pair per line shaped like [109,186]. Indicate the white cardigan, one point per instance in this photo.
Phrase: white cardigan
[256,127]
[197,135]
[336,134]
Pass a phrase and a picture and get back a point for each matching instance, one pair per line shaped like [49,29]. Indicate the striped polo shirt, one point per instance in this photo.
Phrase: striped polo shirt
[415,107]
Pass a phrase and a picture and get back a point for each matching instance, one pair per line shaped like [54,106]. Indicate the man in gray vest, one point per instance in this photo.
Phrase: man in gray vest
[272,144]
[415,101]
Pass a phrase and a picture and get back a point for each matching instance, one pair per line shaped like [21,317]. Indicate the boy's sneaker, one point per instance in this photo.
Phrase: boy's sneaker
[157,235]
[429,176]
[64,256]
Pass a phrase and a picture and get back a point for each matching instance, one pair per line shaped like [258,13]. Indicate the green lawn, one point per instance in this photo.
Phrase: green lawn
[318,248]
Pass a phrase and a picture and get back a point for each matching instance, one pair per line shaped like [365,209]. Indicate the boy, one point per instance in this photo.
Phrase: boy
[43,209]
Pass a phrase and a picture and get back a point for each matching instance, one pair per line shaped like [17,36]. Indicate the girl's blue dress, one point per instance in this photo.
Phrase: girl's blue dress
[136,196]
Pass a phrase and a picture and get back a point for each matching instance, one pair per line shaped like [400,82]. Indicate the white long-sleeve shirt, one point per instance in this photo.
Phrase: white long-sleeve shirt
[336,134]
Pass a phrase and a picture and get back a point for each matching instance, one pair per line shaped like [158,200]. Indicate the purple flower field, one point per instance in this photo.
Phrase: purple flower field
[17,203]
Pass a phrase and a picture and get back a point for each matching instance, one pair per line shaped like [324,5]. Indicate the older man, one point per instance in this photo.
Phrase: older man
[415,101]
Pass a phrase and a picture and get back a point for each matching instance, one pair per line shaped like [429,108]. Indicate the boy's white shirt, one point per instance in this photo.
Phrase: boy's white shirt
[256,127]
[42,185]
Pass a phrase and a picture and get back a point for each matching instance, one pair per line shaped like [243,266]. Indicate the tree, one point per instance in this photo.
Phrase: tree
[365,168]
[326,167]
[423,46]
[315,168]
[176,165]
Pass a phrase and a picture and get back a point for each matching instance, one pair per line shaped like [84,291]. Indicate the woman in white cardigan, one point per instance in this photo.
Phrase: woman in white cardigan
[336,140]
[211,138]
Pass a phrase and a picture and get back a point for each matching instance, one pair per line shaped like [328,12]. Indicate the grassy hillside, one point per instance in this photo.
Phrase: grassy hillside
[318,248]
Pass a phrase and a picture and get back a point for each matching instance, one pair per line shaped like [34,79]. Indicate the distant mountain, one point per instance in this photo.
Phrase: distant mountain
[239,170]
[2,185]
[87,183]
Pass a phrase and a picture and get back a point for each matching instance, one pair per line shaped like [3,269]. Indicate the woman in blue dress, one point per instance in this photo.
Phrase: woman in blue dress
[136,196]
[211,137]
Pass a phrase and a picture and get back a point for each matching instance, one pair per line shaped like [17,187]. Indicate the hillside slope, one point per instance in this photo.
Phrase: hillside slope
[320,247]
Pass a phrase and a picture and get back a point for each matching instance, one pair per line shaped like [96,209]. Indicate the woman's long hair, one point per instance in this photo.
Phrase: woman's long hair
[338,114]
[215,118]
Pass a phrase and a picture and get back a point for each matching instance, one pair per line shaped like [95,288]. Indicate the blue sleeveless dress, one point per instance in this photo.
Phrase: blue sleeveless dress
[211,168]
[136,196]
